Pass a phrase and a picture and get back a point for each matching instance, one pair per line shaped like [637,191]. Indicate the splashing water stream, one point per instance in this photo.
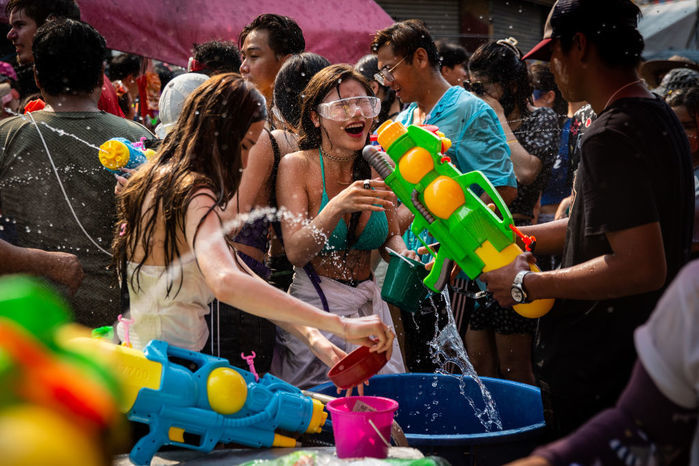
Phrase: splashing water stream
[447,348]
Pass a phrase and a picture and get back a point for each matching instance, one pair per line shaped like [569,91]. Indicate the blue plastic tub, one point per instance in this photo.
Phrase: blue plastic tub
[438,420]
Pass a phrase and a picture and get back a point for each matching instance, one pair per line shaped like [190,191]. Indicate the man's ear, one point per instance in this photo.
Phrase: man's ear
[100,82]
[550,97]
[581,45]
[283,58]
[374,87]
[421,59]
[36,77]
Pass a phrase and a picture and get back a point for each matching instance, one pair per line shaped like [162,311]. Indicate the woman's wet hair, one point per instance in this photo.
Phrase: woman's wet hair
[290,82]
[203,151]
[501,62]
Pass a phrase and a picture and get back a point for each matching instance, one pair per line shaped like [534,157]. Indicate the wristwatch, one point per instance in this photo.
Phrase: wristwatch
[517,291]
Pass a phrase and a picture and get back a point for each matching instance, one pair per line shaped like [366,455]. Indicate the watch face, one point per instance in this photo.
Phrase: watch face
[517,295]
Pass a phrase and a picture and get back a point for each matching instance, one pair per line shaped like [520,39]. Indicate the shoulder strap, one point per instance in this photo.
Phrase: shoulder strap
[315,280]
[322,170]
[275,169]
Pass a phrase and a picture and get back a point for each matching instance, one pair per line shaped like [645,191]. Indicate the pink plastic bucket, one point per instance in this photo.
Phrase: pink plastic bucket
[355,432]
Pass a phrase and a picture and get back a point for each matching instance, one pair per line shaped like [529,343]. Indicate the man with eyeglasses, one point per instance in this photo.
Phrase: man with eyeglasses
[409,64]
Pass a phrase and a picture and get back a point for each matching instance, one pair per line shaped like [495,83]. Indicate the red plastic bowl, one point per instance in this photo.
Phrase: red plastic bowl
[356,367]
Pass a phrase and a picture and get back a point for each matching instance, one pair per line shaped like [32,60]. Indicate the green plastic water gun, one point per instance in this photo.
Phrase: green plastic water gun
[444,203]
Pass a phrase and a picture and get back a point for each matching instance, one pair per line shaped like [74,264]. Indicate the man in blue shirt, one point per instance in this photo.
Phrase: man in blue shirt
[409,63]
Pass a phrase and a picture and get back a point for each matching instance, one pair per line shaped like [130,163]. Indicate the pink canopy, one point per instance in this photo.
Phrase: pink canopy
[340,30]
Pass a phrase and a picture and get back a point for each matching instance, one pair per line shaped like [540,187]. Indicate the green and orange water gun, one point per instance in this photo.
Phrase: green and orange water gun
[444,203]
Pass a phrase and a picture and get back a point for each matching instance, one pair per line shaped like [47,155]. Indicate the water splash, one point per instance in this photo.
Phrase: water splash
[447,349]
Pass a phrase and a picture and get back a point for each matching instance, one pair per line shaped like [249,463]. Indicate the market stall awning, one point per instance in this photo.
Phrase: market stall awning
[671,25]
[340,30]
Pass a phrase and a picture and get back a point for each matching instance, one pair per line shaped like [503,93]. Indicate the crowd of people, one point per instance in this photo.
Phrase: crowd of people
[259,227]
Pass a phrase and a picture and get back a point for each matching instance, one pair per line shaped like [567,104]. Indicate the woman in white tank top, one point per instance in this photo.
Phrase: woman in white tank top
[169,241]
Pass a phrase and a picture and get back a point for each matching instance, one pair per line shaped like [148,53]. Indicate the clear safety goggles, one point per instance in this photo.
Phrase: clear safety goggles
[345,109]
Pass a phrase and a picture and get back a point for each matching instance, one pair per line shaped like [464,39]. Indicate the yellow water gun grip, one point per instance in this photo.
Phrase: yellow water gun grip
[494,259]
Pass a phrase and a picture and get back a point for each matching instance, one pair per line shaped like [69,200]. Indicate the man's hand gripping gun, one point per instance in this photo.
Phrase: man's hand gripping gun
[443,202]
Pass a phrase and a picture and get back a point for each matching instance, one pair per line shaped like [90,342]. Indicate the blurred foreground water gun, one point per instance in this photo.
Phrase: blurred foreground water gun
[195,401]
[443,203]
[57,406]
[118,153]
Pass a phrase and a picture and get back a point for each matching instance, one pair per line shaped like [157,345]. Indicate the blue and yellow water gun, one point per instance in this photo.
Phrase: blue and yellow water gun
[118,153]
[201,400]
[444,203]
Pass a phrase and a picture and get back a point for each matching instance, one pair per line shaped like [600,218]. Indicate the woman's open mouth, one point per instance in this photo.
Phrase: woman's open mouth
[355,129]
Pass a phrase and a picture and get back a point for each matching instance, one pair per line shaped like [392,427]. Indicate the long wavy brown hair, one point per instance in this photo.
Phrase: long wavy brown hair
[202,151]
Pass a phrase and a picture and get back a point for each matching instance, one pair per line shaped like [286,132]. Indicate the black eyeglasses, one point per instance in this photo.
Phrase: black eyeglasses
[385,75]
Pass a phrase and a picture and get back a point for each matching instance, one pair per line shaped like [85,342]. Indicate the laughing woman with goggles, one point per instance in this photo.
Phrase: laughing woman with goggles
[338,215]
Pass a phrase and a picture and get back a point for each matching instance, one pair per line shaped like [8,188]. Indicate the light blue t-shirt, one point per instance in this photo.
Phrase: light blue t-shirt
[478,141]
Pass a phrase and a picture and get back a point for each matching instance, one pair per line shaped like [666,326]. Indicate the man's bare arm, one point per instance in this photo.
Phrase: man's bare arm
[60,267]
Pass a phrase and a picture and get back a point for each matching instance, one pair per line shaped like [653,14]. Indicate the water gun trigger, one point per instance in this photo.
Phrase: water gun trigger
[438,277]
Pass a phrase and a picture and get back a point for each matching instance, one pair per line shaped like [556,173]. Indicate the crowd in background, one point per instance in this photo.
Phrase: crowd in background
[262,130]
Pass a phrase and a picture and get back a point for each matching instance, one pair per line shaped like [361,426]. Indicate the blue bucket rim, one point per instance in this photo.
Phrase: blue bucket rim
[458,439]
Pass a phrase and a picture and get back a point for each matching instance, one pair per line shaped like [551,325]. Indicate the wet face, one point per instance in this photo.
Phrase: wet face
[21,35]
[404,81]
[250,140]
[455,75]
[563,68]
[691,128]
[260,63]
[350,134]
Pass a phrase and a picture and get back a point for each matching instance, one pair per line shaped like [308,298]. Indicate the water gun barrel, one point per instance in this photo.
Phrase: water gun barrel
[444,203]
[118,153]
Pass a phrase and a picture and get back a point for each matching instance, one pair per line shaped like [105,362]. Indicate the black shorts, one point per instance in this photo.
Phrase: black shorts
[489,315]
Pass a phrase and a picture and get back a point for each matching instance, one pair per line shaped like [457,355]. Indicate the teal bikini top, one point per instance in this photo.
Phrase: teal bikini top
[373,236]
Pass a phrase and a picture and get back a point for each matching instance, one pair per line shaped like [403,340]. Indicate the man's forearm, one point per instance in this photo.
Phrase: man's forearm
[550,236]
[20,260]
[604,277]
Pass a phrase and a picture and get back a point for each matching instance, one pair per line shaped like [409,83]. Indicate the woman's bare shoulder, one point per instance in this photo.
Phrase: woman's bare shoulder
[296,161]
[286,140]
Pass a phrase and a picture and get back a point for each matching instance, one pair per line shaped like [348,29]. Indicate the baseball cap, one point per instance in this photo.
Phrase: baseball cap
[570,16]
[172,100]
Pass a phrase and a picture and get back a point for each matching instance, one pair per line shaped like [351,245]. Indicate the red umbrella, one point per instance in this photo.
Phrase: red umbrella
[340,30]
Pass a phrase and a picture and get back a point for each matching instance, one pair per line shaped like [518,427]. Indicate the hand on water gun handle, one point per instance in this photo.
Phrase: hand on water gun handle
[432,250]
[500,280]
